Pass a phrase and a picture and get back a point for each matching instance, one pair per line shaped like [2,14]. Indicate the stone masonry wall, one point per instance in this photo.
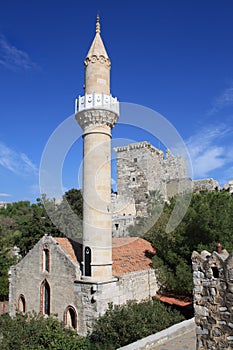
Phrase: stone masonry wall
[141,168]
[213,299]
[92,299]
[209,185]
[27,276]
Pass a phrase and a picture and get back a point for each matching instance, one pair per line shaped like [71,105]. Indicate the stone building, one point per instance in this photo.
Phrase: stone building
[49,280]
[209,185]
[213,299]
[142,168]
[77,279]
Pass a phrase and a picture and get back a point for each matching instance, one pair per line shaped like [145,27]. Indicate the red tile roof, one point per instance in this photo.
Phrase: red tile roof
[129,254]
[172,300]
[67,246]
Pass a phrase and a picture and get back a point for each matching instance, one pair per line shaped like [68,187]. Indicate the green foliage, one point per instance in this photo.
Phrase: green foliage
[34,332]
[6,260]
[122,325]
[208,220]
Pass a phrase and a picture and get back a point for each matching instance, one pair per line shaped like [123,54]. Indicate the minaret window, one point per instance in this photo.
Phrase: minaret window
[46,260]
[87,261]
[71,317]
[45,298]
[22,303]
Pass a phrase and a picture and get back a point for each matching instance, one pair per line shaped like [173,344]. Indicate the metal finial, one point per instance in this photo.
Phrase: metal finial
[98,23]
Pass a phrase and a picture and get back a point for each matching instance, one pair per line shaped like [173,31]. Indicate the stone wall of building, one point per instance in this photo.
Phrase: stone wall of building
[142,168]
[27,276]
[92,299]
[67,289]
[213,299]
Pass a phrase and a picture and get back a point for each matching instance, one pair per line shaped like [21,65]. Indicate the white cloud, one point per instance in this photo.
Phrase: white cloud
[13,58]
[209,150]
[18,163]
[225,99]
[5,195]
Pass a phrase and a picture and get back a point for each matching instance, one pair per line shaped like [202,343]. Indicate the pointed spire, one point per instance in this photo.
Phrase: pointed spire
[98,23]
[97,66]
[97,48]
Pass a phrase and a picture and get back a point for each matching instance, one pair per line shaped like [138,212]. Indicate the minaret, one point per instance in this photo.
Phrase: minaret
[97,112]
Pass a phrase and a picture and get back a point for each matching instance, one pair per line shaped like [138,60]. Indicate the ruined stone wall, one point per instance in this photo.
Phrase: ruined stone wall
[209,185]
[213,299]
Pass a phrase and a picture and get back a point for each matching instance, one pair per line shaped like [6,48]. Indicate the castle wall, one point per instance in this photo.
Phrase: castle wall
[209,185]
[213,299]
[142,168]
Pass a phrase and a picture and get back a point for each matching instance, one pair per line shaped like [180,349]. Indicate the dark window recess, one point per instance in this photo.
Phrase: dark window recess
[22,304]
[46,260]
[133,179]
[87,261]
[116,226]
[135,160]
[46,298]
[71,318]
[215,272]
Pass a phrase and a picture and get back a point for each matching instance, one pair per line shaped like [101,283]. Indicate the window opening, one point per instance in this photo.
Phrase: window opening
[22,304]
[71,317]
[87,261]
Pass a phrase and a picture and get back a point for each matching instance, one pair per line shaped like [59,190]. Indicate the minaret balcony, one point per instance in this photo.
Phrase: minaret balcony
[97,101]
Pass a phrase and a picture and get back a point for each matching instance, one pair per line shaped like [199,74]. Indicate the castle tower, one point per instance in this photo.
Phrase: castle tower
[97,112]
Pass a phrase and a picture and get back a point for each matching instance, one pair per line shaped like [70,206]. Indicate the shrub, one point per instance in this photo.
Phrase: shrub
[122,325]
[35,332]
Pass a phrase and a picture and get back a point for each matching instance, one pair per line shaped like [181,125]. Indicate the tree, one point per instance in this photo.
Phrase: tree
[122,325]
[33,332]
[208,220]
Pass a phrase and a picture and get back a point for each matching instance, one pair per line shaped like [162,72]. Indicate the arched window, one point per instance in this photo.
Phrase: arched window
[22,304]
[87,261]
[45,298]
[46,260]
[70,317]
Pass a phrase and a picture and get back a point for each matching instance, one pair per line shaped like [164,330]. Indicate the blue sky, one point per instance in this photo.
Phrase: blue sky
[175,57]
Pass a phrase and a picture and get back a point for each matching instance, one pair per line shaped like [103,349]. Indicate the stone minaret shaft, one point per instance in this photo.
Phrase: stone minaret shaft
[97,112]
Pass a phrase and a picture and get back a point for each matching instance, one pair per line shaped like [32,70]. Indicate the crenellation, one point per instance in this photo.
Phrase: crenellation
[213,299]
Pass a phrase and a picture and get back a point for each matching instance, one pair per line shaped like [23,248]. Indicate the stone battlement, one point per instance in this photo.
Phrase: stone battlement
[213,299]
[138,145]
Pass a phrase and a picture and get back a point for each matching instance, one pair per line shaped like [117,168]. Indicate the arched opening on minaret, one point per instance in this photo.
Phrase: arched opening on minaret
[87,261]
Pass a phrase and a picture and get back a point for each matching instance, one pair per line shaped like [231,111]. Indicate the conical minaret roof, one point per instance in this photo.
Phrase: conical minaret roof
[97,66]
[97,47]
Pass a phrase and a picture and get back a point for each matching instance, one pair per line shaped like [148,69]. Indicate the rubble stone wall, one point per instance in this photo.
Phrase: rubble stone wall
[213,299]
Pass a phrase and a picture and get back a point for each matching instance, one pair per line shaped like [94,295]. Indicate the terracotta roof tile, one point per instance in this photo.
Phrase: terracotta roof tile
[173,300]
[129,254]
[67,246]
